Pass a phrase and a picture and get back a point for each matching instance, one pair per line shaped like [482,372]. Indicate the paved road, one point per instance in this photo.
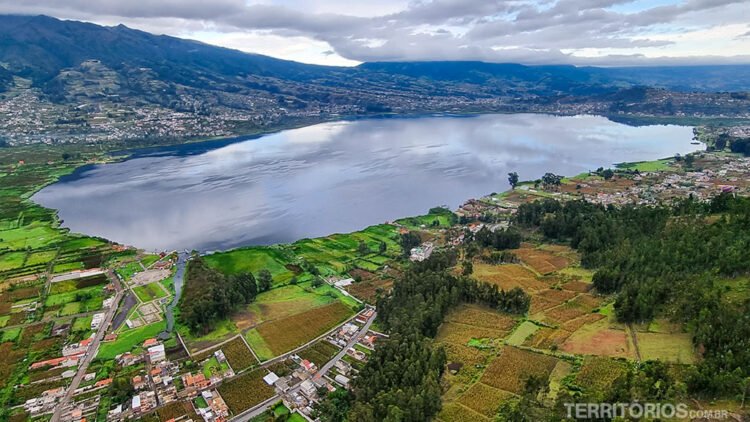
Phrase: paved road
[259,409]
[83,365]
[324,370]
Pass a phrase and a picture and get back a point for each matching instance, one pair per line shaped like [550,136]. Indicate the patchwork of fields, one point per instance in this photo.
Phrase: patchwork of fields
[569,338]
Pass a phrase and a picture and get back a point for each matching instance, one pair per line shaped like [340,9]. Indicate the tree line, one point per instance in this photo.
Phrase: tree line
[675,261]
[401,380]
[209,295]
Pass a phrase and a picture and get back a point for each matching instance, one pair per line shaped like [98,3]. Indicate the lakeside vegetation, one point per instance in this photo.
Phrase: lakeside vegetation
[284,303]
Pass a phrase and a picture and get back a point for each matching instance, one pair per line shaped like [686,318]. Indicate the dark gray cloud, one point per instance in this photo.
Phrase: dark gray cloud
[542,31]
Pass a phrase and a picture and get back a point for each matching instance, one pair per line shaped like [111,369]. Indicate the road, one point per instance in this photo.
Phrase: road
[83,365]
[259,409]
[327,367]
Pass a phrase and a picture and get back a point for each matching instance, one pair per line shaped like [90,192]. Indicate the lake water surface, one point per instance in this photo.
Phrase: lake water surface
[335,177]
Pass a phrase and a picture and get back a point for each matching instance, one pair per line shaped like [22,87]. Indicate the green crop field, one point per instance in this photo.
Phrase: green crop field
[129,338]
[645,166]
[150,292]
[253,260]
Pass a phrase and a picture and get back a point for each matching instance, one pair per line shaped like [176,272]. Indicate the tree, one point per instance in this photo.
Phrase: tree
[382,248]
[467,268]
[294,281]
[265,280]
[551,180]
[689,160]
[363,249]
[245,283]
[608,174]
[316,282]
[513,179]
[409,240]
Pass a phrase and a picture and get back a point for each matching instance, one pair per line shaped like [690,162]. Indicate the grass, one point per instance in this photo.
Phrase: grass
[127,271]
[668,347]
[82,324]
[253,259]
[11,334]
[525,330]
[222,330]
[149,292]
[213,367]
[12,260]
[128,339]
[644,166]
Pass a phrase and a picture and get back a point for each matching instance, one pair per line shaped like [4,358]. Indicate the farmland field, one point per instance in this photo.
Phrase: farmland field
[252,260]
[238,355]
[484,399]
[542,261]
[509,370]
[454,412]
[668,347]
[319,353]
[284,334]
[150,292]
[246,391]
[508,276]
[598,373]
[129,338]
[599,338]
[522,332]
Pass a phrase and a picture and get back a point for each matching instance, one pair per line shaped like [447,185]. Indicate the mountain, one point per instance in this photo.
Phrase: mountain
[40,46]
[91,82]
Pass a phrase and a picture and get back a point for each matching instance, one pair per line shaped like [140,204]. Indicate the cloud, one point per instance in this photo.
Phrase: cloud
[582,32]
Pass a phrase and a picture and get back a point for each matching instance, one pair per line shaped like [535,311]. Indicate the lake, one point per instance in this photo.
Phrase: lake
[335,177]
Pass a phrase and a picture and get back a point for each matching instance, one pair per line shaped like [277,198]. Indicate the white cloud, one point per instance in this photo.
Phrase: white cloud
[346,32]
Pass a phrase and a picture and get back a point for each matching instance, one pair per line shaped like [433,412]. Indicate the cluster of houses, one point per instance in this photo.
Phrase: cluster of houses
[161,383]
[652,188]
[71,355]
[421,252]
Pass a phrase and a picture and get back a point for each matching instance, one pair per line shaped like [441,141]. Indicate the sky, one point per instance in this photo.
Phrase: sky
[348,32]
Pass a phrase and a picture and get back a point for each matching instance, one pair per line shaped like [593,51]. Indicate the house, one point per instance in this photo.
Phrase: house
[135,404]
[196,382]
[62,362]
[218,406]
[220,356]
[343,366]
[96,321]
[420,253]
[271,378]
[282,385]
[110,337]
[156,353]
[150,342]
[308,366]
[77,348]
[368,341]
[103,383]
[308,388]
[127,359]
[344,282]
[344,381]
[138,382]
[363,317]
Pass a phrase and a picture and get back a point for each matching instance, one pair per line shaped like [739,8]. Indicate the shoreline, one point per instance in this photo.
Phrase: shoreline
[107,157]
